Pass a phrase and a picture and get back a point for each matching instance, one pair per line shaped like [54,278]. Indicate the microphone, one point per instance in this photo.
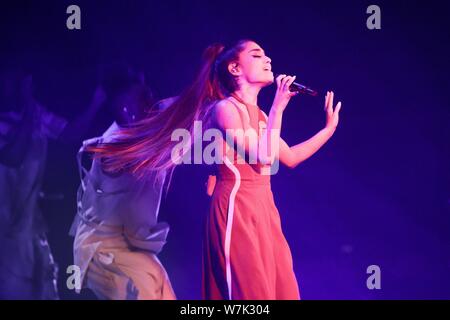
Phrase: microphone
[300,88]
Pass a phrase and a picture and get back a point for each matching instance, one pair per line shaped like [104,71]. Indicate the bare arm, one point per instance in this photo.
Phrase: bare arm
[227,118]
[292,156]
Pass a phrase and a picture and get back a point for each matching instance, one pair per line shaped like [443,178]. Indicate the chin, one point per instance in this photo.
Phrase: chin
[269,80]
[265,80]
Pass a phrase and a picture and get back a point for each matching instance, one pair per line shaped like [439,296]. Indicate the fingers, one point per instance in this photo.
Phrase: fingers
[285,81]
[328,98]
[338,107]
[288,80]
[329,103]
[278,80]
[336,114]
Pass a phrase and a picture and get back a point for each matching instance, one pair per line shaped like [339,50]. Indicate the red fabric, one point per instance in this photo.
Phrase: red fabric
[260,258]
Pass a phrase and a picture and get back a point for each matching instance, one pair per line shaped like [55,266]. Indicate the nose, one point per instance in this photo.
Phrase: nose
[268,60]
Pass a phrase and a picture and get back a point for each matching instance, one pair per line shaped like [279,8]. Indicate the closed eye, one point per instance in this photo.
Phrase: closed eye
[257,56]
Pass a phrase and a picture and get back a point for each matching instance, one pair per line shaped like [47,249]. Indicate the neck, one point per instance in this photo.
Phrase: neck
[248,94]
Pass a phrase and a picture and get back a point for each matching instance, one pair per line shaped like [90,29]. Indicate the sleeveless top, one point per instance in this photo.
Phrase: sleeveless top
[255,172]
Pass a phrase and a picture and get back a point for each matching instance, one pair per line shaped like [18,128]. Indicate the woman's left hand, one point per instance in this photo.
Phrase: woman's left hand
[332,115]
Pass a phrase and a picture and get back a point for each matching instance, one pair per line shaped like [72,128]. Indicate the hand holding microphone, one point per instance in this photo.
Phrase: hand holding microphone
[287,88]
[283,93]
[300,88]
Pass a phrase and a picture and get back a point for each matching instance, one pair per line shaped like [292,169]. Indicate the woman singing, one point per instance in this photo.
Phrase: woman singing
[246,255]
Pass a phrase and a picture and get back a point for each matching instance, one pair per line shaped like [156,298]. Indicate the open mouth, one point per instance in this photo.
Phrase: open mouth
[268,68]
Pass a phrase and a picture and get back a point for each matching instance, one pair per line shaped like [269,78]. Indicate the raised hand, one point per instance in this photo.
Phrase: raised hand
[332,116]
[283,94]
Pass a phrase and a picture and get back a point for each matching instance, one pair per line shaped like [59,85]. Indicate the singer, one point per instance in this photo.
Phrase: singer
[246,255]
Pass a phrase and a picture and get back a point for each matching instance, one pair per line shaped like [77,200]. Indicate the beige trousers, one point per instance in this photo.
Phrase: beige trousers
[119,274]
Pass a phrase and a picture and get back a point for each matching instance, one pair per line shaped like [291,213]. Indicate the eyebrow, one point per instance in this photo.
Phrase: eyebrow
[255,50]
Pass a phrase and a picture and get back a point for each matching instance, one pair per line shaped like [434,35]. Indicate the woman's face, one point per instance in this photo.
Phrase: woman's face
[254,66]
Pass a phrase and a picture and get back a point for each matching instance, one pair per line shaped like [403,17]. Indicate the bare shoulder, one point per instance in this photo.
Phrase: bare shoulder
[226,114]
[224,106]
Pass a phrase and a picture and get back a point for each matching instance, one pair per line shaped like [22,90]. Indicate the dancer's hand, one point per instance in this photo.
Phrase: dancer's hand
[283,94]
[332,119]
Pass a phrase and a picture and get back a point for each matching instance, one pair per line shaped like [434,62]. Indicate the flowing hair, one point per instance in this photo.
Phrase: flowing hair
[145,147]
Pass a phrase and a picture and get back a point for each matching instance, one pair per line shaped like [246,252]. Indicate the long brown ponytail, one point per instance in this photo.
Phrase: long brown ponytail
[146,146]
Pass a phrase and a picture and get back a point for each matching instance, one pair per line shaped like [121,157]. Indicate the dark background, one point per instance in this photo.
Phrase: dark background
[377,193]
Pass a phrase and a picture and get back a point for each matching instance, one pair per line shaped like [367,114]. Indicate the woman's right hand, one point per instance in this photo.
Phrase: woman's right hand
[283,94]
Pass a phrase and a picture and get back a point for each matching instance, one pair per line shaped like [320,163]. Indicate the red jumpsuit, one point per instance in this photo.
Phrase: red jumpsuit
[245,254]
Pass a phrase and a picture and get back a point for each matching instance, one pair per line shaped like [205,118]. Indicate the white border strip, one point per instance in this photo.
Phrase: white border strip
[230,221]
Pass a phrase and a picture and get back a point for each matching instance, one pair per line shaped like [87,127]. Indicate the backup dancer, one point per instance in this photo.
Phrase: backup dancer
[116,229]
